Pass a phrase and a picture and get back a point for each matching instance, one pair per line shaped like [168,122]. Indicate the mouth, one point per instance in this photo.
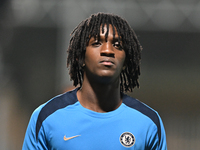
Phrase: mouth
[107,62]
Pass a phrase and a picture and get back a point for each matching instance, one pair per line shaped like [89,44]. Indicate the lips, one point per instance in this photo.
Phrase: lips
[107,62]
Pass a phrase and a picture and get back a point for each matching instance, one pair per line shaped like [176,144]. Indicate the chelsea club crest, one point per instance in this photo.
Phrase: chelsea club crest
[127,139]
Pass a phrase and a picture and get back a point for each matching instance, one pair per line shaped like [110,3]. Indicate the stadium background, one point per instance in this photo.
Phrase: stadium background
[34,35]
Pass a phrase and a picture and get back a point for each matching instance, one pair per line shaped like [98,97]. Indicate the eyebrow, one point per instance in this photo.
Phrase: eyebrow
[99,37]
[115,38]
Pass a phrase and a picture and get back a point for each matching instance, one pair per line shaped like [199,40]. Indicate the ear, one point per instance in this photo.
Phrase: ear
[125,64]
[124,67]
[81,63]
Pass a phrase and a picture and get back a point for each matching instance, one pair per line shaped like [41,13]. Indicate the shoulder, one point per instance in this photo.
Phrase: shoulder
[56,103]
[144,110]
[140,106]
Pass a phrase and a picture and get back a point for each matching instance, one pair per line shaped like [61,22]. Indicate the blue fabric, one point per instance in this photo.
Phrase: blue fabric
[133,126]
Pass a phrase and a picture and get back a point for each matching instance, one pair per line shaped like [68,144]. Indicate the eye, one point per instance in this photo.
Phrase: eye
[96,43]
[118,45]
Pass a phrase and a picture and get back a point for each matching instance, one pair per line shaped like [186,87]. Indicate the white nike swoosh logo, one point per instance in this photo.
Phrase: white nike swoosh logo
[69,138]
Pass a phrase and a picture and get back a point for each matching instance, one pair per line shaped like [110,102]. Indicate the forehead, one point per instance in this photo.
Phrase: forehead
[107,29]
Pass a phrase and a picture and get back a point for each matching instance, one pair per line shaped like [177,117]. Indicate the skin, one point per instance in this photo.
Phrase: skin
[104,61]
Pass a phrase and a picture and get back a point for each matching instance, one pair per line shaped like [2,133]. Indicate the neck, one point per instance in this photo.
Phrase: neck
[100,97]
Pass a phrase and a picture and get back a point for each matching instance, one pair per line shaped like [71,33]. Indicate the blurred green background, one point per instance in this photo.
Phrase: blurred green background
[34,35]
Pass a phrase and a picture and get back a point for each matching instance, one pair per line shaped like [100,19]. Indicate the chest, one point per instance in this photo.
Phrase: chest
[89,133]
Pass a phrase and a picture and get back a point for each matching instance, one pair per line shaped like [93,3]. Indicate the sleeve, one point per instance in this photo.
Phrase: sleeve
[156,137]
[163,141]
[30,141]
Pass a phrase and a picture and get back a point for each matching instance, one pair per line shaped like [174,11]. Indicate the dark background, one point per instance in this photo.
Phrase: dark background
[33,61]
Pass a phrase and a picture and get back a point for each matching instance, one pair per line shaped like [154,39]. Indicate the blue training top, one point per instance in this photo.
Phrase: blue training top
[64,124]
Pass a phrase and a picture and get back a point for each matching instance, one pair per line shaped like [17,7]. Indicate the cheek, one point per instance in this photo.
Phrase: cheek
[123,59]
[90,57]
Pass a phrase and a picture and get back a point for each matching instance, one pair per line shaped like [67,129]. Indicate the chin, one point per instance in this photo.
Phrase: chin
[107,79]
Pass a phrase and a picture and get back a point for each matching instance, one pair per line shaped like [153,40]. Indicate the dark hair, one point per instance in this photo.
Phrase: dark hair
[91,28]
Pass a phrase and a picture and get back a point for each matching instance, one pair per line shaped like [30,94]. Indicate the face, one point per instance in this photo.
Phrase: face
[104,59]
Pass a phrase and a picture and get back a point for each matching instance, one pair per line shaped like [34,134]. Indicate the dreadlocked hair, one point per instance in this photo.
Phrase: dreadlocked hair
[91,28]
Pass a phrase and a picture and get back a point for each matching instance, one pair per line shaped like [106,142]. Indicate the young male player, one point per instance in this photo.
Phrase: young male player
[104,60]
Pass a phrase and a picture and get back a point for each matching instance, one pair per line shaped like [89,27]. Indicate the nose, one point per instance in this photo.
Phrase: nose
[107,50]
